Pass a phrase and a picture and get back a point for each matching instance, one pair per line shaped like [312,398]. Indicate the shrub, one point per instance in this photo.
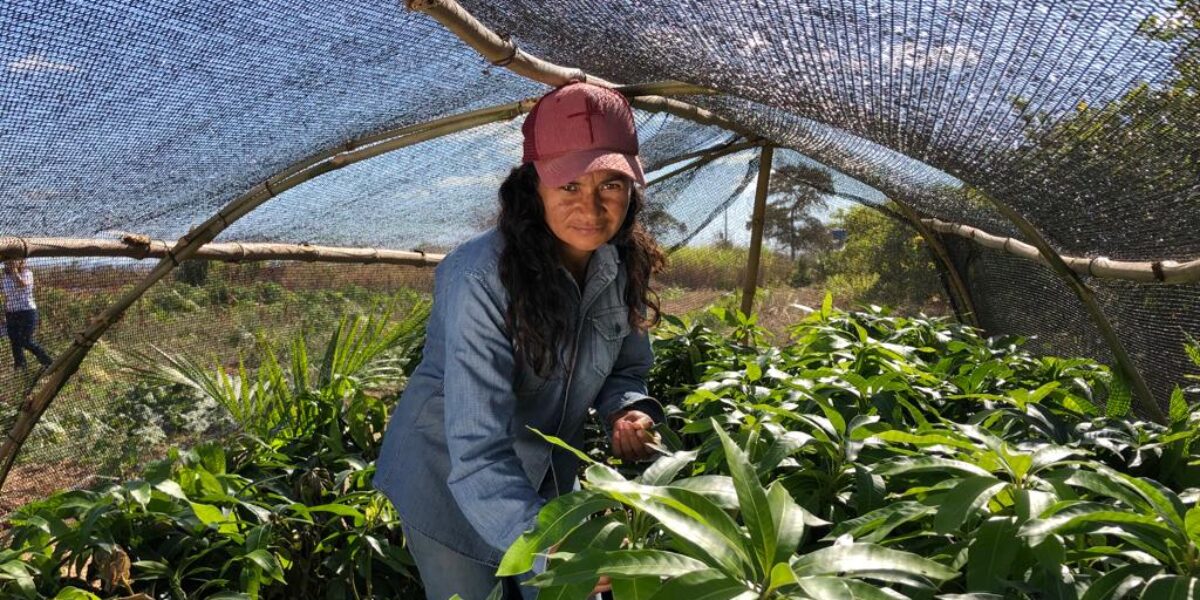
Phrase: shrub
[719,267]
[883,457]
[882,262]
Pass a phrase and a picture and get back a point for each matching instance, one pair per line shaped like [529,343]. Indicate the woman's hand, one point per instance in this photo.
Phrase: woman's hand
[633,435]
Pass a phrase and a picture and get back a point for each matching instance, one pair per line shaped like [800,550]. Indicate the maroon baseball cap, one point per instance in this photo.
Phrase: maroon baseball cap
[579,128]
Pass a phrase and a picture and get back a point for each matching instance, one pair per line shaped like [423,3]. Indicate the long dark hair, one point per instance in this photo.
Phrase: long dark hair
[539,309]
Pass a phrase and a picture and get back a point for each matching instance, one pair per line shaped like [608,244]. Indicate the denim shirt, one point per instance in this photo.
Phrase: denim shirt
[458,459]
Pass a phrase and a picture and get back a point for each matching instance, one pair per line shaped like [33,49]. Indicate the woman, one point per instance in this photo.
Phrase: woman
[20,313]
[534,324]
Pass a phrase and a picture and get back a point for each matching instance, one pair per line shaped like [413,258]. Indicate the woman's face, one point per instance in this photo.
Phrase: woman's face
[587,212]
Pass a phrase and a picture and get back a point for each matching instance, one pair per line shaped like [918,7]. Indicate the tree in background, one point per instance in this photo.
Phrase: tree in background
[1140,152]
[882,262]
[797,191]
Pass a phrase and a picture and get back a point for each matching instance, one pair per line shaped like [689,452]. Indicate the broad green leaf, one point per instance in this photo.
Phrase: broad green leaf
[1172,587]
[928,463]
[930,439]
[869,489]
[1192,522]
[574,591]
[717,488]
[340,510]
[663,470]
[1048,456]
[836,588]
[869,560]
[991,554]
[557,518]
[707,584]
[755,510]
[1105,586]
[151,569]
[1031,504]
[211,515]
[781,575]
[640,588]
[1106,483]
[172,489]
[602,533]
[789,522]
[877,525]
[1161,500]
[266,561]
[695,522]
[964,500]
[587,565]
[753,372]
[782,447]
[1087,517]
[140,492]
[587,460]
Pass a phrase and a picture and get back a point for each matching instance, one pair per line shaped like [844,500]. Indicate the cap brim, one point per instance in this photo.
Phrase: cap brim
[559,171]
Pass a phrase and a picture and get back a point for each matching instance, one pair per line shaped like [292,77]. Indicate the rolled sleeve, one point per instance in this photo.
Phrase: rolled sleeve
[625,387]
[486,477]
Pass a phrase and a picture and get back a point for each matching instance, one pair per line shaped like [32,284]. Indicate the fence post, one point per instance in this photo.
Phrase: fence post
[756,227]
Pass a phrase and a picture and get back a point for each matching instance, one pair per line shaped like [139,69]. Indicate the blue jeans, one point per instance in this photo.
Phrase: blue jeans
[445,572]
[21,325]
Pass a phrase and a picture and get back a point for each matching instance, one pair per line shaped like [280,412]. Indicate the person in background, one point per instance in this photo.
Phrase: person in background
[535,323]
[20,313]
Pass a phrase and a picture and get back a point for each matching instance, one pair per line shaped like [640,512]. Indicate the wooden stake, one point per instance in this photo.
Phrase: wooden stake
[756,228]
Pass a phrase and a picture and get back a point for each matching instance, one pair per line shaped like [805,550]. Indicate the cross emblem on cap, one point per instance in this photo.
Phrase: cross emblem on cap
[590,110]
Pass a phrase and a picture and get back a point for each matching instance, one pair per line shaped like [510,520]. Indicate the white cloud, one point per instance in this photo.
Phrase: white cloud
[37,62]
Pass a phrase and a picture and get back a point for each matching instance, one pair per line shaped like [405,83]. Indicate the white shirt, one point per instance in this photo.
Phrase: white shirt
[17,297]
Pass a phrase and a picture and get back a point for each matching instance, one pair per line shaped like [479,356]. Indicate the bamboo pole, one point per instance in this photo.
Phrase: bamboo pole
[140,247]
[56,375]
[731,146]
[1161,271]
[667,87]
[504,53]
[703,160]
[756,228]
[1142,396]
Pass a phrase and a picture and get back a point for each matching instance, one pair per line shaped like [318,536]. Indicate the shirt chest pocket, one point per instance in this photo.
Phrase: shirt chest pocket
[609,326]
